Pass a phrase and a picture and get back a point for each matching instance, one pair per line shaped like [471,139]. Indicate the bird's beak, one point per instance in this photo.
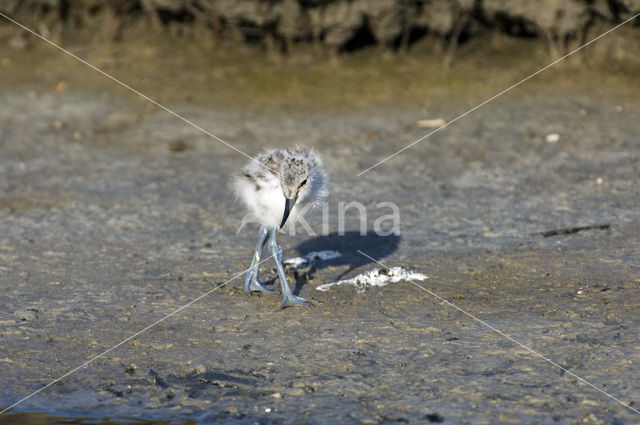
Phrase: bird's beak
[288,205]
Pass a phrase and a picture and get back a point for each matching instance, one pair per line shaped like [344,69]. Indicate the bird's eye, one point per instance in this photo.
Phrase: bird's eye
[303,182]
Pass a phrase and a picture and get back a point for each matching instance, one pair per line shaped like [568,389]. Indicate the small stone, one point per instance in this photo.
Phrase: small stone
[178,145]
[431,123]
[552,138]
[131,368]
[200,369]
[60,87]
[27,314]
[599,180]
[57,124]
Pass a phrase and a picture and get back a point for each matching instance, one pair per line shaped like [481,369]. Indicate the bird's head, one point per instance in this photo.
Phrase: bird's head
[295,179]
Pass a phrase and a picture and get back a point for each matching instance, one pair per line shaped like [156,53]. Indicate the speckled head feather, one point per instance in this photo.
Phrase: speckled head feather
[300,177]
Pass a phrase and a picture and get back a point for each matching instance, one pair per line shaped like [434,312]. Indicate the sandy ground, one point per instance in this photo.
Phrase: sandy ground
[104,229]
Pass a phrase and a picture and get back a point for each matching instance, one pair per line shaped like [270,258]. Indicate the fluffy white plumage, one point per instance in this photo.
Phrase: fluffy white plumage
[294,173]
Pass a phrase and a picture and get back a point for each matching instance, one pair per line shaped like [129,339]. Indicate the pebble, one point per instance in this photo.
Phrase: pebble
[60,87]
[26,315]
[178,145]
[431,123]
[552,138]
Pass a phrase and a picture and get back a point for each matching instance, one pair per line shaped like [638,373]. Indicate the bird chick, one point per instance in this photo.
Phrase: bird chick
[276,188]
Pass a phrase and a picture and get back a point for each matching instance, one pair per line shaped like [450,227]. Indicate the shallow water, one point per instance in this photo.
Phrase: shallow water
[35,418]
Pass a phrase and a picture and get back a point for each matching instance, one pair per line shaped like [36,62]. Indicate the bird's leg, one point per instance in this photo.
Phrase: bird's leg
[251,283]
[278,250]
[288,298]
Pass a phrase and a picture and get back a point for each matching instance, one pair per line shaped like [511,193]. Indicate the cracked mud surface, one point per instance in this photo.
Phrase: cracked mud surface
[113,215]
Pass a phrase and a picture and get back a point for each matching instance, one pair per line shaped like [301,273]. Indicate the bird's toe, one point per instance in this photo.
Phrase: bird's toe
[292,300]
[255,286]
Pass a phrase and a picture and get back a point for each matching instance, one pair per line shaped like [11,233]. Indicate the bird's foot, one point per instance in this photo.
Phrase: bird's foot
[255,286]
[291,300]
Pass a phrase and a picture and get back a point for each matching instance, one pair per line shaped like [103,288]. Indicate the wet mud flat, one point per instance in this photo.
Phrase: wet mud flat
[113,215]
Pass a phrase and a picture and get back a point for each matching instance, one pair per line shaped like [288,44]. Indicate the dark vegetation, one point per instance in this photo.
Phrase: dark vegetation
[340,25]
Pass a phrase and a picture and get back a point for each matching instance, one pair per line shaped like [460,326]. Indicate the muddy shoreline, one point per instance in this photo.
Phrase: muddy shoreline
[105,229]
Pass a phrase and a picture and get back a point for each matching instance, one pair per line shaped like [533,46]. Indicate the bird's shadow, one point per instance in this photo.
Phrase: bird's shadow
[347,245]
